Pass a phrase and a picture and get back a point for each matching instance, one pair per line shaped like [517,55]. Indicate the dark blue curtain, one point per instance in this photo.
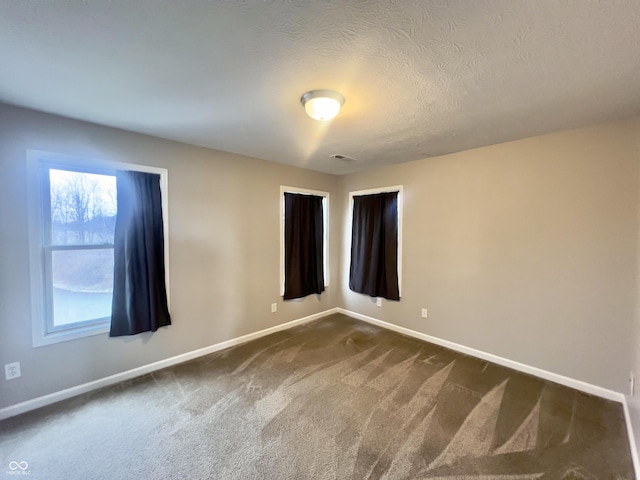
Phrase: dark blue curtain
[303,245]
[139,292]
[374,246]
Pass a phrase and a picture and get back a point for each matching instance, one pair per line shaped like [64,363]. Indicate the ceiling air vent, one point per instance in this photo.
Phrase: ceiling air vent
[344,158]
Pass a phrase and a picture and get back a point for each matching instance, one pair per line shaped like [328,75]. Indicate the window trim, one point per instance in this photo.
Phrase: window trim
[325,220]
[373,191]
[36,202]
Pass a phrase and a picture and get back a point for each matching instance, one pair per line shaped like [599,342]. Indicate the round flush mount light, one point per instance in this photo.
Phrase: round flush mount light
[322,104]
[345,158]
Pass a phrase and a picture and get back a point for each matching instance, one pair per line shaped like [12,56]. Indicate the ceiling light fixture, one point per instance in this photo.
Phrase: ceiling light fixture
[322,104]
[339,156]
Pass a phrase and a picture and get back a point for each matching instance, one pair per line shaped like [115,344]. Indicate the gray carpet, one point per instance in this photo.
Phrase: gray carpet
[336,398]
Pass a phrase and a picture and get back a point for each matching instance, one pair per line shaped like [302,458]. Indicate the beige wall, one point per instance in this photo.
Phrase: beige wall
[223,241]
[526,250]
[633,401]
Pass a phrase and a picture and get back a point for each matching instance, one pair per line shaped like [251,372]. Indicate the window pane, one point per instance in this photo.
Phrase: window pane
[82,285]
[83,207]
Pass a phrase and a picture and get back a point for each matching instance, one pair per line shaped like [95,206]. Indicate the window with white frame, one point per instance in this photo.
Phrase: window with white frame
[325,223]
[78,218]
[72,213]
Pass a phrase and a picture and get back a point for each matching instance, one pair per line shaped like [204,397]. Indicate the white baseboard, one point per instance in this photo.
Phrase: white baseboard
[38,402]
[632,438]
[554,377]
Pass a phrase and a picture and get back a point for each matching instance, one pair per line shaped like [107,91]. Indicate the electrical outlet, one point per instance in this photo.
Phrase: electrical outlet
[378,302]
[424,313]
[12,370]
[632,383]
[274,307]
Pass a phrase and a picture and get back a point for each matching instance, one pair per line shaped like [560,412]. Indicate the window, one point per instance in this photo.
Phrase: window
[72,215]
[78,219]
[304,242]
[376,242]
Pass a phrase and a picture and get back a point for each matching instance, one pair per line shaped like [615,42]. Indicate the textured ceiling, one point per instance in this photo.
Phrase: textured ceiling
[420,78]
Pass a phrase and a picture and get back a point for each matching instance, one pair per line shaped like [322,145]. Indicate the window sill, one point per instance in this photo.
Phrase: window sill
[40,339]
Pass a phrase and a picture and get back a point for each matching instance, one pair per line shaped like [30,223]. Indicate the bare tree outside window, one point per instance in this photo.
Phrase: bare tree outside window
[83,208]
